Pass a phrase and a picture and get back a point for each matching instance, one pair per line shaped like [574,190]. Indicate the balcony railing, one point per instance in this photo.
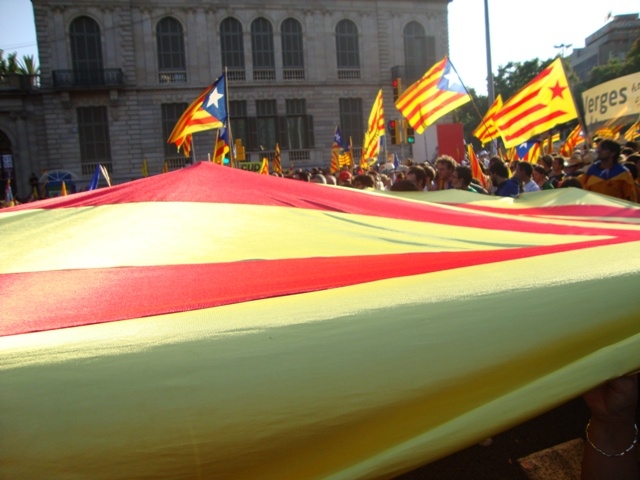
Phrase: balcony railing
[264,74]
[89,168]
[173,77]
[293,74]
[236,74]
[19,82]
[349,73]
[99,78]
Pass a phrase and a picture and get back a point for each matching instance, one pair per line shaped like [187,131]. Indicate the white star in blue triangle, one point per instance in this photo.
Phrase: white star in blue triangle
[450,80]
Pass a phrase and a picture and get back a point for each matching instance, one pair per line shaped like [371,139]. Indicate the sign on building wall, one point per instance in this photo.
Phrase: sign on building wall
[614,102]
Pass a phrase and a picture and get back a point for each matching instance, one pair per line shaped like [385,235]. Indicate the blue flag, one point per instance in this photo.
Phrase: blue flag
[95,179]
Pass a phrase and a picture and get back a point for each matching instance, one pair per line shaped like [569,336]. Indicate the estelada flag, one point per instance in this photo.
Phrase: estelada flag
[277,163]
[543,103]
[206,112]
[196,316]
[437,93]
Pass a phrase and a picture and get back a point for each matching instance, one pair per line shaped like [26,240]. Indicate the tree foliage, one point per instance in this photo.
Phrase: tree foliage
[12,65]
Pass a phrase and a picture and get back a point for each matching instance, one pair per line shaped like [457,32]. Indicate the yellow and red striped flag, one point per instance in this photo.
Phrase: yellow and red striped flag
[206,112]
[543,103]
[336,267]
[632,132]
[437,93]
[222,146]
[487,130]
[575,138]
[264,167]
[335,151]
[375,130]
[474,163]
[277,164]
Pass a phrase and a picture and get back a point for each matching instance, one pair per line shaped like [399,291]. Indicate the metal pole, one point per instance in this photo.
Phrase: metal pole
[490,90]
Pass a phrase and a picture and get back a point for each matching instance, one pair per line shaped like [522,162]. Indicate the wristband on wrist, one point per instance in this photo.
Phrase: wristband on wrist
[620,454]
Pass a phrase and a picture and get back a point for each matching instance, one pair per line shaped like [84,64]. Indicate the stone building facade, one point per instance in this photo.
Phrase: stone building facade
[612,41]
[117,74]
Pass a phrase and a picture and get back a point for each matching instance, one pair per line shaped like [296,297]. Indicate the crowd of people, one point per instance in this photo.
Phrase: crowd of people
[609,169]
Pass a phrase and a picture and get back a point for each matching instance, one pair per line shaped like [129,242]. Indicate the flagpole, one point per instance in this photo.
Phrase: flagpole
[232,157]
[481,117]
[490,90]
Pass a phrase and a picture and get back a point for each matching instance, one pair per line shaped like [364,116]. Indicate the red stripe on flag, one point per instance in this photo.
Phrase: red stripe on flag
[51,300]
[555,114]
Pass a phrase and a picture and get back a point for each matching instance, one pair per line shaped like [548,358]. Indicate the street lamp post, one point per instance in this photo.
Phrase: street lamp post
[562,46]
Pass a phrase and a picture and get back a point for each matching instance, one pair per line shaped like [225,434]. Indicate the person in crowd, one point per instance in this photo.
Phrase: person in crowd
[431,176]
[404,185]
[611,446]
[571,182]
[607,175]
[546,162]
[445,165]
[417,175]
[505,186]
[574,166]
[462,180]
[362,181]
[556,175]
[539,176]
[318,178]
[344,178]
[524,172]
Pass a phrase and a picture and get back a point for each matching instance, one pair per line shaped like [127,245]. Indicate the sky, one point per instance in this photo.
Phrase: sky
[518,33]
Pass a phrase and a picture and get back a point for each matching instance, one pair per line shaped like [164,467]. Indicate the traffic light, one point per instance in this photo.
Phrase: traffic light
[410,134]
[392,126]
[396,83]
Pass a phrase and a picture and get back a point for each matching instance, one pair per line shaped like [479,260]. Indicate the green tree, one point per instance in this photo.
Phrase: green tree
[11,64]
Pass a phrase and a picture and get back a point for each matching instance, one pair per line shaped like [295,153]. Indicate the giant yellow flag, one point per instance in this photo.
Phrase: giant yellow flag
[213,323]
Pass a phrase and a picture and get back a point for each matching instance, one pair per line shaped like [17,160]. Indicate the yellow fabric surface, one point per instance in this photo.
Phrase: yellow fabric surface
[358,382]
[174,233]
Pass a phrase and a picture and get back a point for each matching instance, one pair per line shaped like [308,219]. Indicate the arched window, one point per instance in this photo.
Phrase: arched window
[264,67]
[86,51]
[347,50]
[419,51]
[292,54]
[232,48]
[171,56]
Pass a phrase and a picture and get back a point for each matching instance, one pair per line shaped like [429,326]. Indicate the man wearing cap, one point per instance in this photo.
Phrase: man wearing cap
[344,178]
[607,176]
[572,168]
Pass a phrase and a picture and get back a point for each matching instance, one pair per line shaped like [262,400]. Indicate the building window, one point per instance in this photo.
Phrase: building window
[171,113]
[351,123]
[86,51]
[267,124]
[232,46]
[171,56]
[264,67]
[292,54]
[299,125]
[419,51]
[93,131]
[347,50]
